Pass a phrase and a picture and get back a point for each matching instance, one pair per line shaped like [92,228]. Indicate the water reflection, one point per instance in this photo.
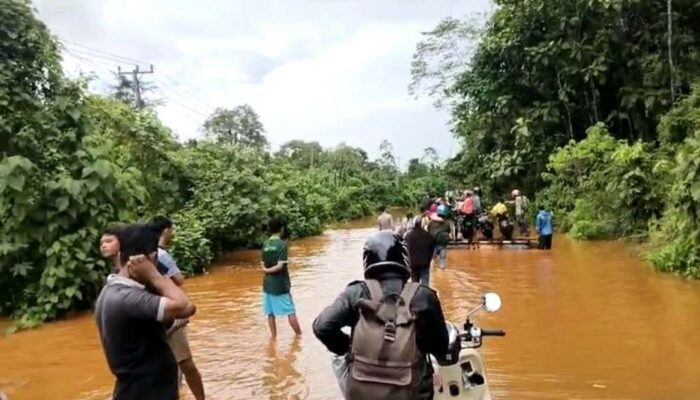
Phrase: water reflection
[279,376]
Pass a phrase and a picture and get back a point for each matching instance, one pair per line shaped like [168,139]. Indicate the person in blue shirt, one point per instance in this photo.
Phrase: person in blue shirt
[544,229]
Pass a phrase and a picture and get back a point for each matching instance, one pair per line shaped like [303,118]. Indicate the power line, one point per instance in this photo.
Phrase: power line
[87,62]
[99,59]
[160,85]
[123,59]
[185,89]
[117,60]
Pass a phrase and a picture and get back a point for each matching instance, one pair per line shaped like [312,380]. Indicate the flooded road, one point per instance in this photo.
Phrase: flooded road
[586,321]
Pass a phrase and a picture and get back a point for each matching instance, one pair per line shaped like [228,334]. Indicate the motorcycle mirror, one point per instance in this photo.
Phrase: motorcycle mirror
[491,302]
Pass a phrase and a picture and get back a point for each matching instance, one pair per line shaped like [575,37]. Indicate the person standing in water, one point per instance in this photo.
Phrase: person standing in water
[177,335]
[421,248]
[385,221]
[521,207]
[544,229]
[439,227]
[277,298]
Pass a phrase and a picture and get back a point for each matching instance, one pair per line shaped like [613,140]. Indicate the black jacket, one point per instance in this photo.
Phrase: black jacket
[431,334]
[421,245]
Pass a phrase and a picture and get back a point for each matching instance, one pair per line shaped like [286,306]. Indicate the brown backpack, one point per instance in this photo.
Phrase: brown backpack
[384,356]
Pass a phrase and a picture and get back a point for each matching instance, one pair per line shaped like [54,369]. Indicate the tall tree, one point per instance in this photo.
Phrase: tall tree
[239,126]
[442,55]
[386,155]
[430,157]
[304,154]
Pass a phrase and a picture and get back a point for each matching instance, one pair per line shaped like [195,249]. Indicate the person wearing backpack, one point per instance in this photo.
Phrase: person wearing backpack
[394,325]
[521,207]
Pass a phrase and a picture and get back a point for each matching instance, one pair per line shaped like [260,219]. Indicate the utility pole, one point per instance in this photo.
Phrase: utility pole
[136,82]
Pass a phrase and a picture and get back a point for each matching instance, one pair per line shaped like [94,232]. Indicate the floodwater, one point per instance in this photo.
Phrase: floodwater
[586,321]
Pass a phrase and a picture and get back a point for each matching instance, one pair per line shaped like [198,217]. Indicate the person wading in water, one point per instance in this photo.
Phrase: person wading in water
[421,247]
[385,221]
[277,298]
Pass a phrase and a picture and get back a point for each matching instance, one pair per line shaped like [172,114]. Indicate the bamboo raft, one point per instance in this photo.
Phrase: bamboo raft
[517,243]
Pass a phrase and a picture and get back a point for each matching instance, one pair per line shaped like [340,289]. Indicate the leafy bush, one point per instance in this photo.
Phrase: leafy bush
[675,238]
[603,188]
[190,246]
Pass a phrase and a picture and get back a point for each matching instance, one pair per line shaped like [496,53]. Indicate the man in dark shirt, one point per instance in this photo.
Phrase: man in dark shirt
[277,299]
[131,320]
[421,247]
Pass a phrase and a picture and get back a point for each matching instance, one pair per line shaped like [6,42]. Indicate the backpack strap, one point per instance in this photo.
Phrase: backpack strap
[409,292]
[403,312]
[375,289]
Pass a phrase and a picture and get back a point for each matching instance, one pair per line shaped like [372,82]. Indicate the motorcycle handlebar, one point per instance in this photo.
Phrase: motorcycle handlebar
[493,332]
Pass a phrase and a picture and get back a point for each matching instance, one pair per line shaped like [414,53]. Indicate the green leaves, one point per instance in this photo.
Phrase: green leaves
[15,182]
[102,167]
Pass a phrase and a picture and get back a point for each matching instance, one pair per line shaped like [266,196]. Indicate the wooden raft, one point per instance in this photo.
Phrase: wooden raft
[520,243]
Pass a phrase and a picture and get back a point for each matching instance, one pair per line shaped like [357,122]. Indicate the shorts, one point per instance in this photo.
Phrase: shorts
[278,305]
[180,345]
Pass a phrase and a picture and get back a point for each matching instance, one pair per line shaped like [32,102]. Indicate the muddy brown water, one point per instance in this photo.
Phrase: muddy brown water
[586,321]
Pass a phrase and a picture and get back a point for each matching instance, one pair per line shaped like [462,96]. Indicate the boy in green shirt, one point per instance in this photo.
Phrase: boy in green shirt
[277,299]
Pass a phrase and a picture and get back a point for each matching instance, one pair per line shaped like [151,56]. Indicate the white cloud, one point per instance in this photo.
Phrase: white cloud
[330,71]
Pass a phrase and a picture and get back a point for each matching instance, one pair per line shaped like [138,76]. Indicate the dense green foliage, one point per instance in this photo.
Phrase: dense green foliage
[602,187]
[676,237]
[73,162]
[567,100]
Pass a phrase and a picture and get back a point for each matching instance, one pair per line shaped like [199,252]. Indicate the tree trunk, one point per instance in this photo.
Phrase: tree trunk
[594,92]
[570,125]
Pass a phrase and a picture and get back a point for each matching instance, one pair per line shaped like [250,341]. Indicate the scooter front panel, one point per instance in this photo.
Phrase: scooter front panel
[465,380]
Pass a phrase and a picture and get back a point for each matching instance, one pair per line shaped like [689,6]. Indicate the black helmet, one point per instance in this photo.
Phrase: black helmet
[385,251]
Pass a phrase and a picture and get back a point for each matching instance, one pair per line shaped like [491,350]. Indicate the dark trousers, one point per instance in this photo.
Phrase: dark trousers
[545,242]
[421,274]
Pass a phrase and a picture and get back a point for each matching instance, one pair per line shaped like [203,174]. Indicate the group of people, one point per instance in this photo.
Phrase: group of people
[427,236]
[470,220]
[142,313]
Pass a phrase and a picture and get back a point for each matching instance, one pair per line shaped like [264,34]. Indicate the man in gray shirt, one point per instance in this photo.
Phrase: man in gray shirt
[131,320]
[385,221]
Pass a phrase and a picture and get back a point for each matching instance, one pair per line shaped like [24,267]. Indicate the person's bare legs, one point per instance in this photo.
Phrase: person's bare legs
[294,323]
[194,379]
[272,325]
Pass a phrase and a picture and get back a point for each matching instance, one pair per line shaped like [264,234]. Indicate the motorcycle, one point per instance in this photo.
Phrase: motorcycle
[485,226]
[460,374]
[506,226]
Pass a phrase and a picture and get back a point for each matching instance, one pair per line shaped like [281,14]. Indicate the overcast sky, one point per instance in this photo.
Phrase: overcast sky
[325,70]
